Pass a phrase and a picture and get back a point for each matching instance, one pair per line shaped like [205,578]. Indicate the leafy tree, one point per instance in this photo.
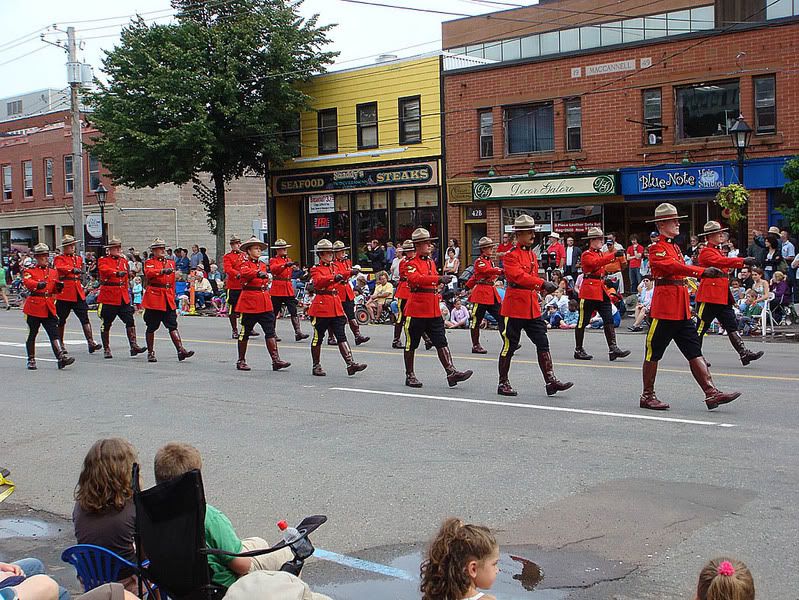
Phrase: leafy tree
[791,189]
[211,93]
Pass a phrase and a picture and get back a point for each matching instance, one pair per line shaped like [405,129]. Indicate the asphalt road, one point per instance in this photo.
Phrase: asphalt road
[607,501]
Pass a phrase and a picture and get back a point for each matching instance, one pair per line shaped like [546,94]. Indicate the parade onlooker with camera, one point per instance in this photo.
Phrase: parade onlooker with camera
[635,254]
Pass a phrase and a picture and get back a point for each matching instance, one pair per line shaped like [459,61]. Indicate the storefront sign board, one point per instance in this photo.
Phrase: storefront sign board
[325,203]
[94,226]
[683,179]
[563,187]
[366,178]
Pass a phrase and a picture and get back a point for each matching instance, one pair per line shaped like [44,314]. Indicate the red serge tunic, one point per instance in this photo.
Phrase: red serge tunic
[716,290]
[114,290]
[254,295]
[670,299]
[281,276]
[66,265]
[594,262]
[423,281]
[521,295]
[403,292]
[345,291]
[231,263]
[326,302]
[40,303]
[482,282]
[160,291]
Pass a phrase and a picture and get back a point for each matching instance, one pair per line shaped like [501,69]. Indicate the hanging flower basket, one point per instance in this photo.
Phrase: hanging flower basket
[733,199]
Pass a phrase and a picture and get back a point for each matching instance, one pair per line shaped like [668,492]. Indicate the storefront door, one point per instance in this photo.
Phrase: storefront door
[474,231]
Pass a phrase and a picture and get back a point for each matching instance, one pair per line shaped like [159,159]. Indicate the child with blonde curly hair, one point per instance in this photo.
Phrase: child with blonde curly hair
[725,579]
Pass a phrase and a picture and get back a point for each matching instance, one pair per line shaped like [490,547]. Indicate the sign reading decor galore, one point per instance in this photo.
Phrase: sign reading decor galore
[684,179]
[368,178]
[562,187]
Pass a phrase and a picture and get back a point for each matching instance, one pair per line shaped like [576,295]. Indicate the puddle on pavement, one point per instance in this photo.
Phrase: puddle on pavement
[27,528]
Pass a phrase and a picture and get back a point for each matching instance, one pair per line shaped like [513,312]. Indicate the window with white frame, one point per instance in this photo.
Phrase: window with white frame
[574,119]
[94,173]
[48,177]
[27,175]
[530,128]
[707,109]
[410,120]
[367,125]
[69,176]
[765,104]
[327,122]
[486,133]
[653,117]
[7,182]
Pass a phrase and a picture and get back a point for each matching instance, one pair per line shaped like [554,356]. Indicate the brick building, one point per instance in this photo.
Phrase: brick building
[591,116]
[36,182]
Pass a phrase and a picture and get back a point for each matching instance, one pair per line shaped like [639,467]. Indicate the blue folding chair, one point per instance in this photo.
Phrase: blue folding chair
[96,565]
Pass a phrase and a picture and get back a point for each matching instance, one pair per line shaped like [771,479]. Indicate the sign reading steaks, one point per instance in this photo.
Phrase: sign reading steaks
[395,176]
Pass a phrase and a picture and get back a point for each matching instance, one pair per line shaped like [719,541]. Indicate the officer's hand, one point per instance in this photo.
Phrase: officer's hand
[619,253]
[76,271]
[712,273]
[338,278]
[59,287]
[263,275]
[121,273]
[549,287]
[750,261]
[167,271]
[290,263]
[445,279]
[41,285]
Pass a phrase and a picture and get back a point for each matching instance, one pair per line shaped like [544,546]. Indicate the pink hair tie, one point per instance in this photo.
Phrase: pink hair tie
[726,569]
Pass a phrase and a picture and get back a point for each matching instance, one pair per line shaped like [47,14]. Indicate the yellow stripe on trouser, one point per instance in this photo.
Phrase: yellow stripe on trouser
[504,334]
[5,493]
[474,323]
[699,316]
[649,335]
[581,322]
[315,338]
[241,327]
[407,328]
[399,309]
[100,315]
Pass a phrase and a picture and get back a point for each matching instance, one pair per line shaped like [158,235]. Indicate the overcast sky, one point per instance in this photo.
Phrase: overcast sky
[27,63]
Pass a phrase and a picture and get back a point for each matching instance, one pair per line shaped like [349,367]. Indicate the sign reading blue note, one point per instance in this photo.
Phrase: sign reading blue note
[682,179]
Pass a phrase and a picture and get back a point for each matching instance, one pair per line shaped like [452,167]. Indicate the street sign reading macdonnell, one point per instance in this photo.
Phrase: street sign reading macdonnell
[513,188]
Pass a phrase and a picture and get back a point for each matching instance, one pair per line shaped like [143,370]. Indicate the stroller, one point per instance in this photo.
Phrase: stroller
[170,531]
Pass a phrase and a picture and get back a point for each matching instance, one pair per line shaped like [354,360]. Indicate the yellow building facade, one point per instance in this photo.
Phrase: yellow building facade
[368,161]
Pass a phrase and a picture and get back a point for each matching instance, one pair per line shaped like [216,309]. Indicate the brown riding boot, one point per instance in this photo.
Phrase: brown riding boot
[87,333]
[316,356]
[356,331]
[554,385]
[504,388]
[346,353]
[61,329]
[134,347]
[746,355]
[579,351]
[277,364]
[149,337]
[648,398]
[241,363]
[298,334]
[397,333]
[428,343]
[31,350]
[410,376]
[614,351]
[234,325]
[105,336]
[454,377]
[64,359]
[331,340]
[713,396]
[183,354]
[476,347]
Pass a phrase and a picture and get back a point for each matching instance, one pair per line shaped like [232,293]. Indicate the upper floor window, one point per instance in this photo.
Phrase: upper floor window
[765,104]
[707,109]
[653,116]
[69,177]
[27,174]
[292,137]
[367,125]
[48,176]
[410,120]
[486,133]
[94,173]
[14,108]
[530,128]
[574,119]
[7,182]
[328,131]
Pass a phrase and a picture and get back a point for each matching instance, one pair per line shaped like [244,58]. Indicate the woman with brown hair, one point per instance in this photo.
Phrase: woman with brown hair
[104,514]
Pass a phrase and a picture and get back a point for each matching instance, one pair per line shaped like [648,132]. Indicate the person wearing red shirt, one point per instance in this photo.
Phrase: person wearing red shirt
[714,297]
[594,296]
[254,305]
[159,301]
[39,308]
[423,313]
[326,311]
[635,255]
[346,293]
[230,265]
[282,290]
[521,309]
[114,299]
[504,247]
[484,296]
[556,248]
[671,313]
[72,297]
[403,291]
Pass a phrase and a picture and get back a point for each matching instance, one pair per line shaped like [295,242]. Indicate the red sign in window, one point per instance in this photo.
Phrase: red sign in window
[321,222]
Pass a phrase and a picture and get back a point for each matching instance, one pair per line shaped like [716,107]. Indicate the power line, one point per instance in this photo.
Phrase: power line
[21,56]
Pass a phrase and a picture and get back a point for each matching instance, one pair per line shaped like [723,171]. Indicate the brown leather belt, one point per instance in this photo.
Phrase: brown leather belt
[70,279]
[516,286]
[592,277]
[675,282]
[484,282]
[42,294]
[327,292]
[250,288]
[423,291]
[114,283]
[280,279]
[164,286]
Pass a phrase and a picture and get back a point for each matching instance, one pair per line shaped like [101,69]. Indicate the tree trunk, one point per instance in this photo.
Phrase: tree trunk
[219,187]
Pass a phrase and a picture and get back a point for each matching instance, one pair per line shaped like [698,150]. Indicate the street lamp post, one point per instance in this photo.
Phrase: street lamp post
[102,193]
[741,134]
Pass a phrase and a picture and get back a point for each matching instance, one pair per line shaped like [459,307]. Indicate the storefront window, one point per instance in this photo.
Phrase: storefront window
[371,222]
[705,110]
[542,216]
[575,220]
[332,226]
[415,208]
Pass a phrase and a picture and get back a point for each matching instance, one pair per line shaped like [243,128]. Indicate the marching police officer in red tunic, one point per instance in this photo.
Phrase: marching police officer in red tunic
[346,293]
[521,309]
[72,297]
[230,264]
[255,305]
[403,291]
[594,296]
[423,313]
[282,290]
[159,301]
[714,297]
[671,313]
[39,308]
[484,296]
[326,311]
[114,299]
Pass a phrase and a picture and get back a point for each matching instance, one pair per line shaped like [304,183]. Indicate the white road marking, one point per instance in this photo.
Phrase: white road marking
[26,358]
[42,344]
[581,411]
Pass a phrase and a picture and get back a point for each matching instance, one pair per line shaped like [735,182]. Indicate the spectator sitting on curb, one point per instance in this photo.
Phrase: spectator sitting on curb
[458,316]
[571,316]
[25,580]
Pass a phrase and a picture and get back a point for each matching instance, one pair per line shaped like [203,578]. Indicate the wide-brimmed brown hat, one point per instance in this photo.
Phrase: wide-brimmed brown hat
[114,242]
[158,243]
[594,232]
[338,246]
[235,239]
[774,229]
[486,242]
[41,248]
[524,223]
[420,234]
[408,245]
[67,240]
[713,227]
[280,243]
[253,241]
[554,234]
[666,212]
[323,245]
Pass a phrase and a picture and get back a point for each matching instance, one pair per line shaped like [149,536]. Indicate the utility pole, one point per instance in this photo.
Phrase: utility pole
[75,81]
